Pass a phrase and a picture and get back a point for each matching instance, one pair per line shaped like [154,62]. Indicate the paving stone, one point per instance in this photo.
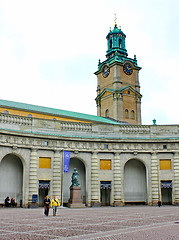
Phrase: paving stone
[105,223]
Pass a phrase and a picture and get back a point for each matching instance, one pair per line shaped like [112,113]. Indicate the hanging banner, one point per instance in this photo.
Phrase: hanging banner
[66,161]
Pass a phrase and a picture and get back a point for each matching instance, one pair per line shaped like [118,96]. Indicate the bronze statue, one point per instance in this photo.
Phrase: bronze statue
[74,178]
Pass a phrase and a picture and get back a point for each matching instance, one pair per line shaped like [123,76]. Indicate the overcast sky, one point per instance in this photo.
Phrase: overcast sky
[49,51]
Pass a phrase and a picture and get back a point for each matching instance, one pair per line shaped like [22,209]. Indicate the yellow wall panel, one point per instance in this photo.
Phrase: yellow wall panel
[44,162]
[165,164]
[105,164]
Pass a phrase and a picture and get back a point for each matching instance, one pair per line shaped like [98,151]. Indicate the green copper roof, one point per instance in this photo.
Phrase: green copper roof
[116,30]
[54,112]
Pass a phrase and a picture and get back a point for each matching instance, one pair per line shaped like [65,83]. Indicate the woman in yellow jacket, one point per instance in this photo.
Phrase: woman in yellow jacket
[54,204]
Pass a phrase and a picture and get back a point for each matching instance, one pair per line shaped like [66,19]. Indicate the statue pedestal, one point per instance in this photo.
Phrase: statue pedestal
[75,200]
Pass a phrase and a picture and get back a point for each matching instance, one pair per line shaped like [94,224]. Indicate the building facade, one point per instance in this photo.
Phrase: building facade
[118,162]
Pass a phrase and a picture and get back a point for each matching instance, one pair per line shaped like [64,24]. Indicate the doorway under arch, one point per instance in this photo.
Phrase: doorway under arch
[135,184]
[79,165]
[11,178]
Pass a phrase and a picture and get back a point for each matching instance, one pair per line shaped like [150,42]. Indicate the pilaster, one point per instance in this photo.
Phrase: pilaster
[117,180]
[154,178]
[137,81]
[57,174]
[139,119]
[95,196]
[115,106]
[176,178]
[33,180]
[98,103]
[120,106]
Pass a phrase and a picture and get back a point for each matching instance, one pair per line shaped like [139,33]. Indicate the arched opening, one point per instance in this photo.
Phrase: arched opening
[132,114]
[126,113]
[107,113]
[135,184]
[79,165]
[11,178]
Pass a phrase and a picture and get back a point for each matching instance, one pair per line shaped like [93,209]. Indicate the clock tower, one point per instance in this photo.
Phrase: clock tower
[118,89]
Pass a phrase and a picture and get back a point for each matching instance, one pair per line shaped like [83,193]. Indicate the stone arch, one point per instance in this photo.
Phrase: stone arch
[135,181]
[80,165]
[11,177]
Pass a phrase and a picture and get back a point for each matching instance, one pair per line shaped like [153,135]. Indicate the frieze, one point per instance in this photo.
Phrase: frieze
[86,146]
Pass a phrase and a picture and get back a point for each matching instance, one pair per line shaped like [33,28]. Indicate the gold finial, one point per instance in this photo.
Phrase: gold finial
[115,18]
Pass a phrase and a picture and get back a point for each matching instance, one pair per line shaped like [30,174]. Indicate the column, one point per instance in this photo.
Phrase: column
[175,187]
[95,188]
[57,176]
[33,180]
[117,180]
[154,178]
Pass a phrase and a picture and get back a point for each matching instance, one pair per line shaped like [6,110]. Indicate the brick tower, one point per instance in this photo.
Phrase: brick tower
[118,89]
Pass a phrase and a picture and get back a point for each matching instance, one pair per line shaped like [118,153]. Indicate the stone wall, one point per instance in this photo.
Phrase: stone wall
[89,143]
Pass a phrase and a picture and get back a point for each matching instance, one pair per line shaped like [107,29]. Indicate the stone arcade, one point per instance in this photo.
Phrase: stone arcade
[119,161]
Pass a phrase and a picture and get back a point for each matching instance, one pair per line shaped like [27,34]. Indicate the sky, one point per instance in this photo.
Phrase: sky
[49,51]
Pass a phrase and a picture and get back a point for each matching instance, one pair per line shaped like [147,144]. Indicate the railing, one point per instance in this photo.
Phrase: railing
[16,120]
[134,129]
[76,126]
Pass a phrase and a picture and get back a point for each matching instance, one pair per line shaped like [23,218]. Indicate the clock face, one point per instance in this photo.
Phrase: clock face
[128,68]
[106,71]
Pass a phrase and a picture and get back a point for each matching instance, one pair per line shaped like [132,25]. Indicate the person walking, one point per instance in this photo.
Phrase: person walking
[46,205]
[54,204]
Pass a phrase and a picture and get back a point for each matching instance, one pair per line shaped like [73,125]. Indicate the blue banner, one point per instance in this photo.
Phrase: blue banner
[66,161]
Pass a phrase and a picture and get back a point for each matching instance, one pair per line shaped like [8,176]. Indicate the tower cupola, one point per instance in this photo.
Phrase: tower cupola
[116,42]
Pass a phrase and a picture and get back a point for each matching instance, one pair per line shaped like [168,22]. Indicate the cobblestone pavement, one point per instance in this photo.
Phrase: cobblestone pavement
[139,222]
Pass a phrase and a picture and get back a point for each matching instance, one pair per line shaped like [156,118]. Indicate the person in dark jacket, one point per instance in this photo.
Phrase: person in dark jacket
[7,202]
[46,205]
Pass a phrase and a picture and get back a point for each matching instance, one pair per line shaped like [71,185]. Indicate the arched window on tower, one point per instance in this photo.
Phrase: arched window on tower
[120,42]
[126,113]
[107,113]
[110,44]
[132,114]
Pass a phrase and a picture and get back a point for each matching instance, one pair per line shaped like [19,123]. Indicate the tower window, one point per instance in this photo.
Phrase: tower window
[6,112]
[30,115]
[120,41]
[126,113]
[110,44]
[128,92]
[132,114]
[107,113]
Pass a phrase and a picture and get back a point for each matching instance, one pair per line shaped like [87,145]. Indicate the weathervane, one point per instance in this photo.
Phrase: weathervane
[115,21]
[115,18]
